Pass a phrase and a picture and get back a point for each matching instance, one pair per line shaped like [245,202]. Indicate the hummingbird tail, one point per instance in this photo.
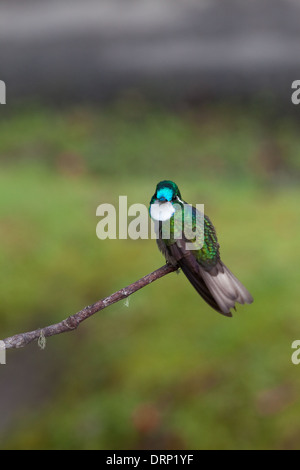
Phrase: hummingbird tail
[216,285]
[198,283]
[225,288]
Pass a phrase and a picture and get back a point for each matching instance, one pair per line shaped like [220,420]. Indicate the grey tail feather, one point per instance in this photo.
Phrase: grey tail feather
[225,288]
[201,287]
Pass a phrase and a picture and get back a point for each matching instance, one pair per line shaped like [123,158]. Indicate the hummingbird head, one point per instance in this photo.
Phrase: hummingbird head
[161,204]
[167,191]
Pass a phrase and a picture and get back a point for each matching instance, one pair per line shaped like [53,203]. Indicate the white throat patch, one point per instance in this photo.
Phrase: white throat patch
[162,211]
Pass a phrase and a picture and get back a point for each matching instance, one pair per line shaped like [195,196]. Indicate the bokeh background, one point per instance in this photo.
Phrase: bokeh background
[105,99]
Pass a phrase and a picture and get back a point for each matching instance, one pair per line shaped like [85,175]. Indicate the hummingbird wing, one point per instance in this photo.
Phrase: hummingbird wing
[191,268]
[206,272]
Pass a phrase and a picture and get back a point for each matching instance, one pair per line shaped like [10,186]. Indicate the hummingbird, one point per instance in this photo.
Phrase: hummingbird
[201,265]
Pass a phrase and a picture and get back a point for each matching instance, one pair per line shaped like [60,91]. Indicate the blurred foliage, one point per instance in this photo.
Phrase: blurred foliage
[166,371]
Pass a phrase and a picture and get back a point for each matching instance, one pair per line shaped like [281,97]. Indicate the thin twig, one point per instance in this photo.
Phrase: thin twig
[72,322]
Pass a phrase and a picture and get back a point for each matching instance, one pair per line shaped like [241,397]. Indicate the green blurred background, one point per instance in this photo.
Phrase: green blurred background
[165,371]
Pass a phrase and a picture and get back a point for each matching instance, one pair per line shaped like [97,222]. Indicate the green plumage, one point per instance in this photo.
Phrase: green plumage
[208,255]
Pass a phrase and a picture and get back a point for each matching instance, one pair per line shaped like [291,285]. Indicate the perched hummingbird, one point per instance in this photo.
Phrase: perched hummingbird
[202,266]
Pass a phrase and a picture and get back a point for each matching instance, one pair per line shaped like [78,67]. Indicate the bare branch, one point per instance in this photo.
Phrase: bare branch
[72,322]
